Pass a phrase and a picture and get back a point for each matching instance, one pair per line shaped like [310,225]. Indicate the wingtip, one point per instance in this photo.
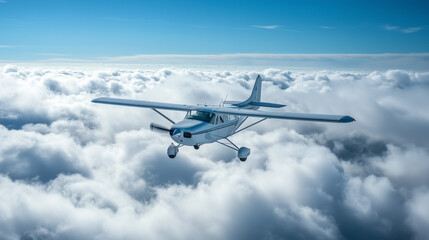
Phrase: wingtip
[96,100]
[347,119]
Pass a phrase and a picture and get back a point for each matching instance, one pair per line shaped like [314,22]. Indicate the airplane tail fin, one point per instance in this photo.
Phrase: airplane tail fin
[254,101]
[256,92]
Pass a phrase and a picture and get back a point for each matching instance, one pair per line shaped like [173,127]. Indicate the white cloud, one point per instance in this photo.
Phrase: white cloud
[411,158]
[403,30]
[73,169]
[327,27]
[418,210]
[266,26]
[390,28]
[410,29]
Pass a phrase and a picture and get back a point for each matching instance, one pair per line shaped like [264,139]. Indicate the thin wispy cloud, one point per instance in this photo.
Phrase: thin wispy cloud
[390,28]
[403,30]
[266,26]
[327,27]
[410,30]
[5,46]
[2,1]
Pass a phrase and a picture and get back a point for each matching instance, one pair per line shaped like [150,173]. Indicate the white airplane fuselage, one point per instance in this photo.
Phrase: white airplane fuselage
[193,132]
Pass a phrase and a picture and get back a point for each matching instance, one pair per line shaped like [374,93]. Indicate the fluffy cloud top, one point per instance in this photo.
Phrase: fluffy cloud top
[72,169]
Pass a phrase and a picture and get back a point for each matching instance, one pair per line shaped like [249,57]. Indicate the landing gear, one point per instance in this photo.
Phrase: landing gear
[242,153]
[172,150]
[196,146]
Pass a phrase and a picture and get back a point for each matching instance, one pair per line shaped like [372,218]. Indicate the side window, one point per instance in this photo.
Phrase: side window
[225,118]
[229,118]
[212,118]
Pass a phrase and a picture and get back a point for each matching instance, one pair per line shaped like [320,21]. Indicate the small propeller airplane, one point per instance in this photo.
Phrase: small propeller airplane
[207,124]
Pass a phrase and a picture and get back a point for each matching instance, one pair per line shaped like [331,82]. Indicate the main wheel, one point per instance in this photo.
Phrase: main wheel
[196,146]
[243,153]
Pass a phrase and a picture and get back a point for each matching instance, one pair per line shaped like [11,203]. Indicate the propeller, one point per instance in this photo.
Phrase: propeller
[158,128]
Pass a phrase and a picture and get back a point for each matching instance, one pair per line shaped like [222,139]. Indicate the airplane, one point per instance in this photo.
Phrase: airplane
[205,124]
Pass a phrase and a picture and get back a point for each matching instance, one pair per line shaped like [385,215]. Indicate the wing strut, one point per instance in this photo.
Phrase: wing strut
[249,126]
[229,146]
[160,113]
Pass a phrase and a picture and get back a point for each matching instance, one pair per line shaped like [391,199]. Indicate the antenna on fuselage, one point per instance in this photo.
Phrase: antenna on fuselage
[223,102]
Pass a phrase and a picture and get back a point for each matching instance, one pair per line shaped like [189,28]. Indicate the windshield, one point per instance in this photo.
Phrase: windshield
[202,116]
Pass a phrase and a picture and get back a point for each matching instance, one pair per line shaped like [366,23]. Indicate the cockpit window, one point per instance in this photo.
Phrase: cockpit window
[202,116]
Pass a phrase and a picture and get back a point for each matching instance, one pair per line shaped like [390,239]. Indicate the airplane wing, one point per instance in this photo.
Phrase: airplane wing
[285,115]
[227,110]
[145,104]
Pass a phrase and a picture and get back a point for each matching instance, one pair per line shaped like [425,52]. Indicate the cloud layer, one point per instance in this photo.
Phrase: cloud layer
[255,61]
[72,169]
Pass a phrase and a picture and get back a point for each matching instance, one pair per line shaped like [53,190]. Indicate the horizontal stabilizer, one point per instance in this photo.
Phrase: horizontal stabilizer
[267,104]
[231,102]
[258,104]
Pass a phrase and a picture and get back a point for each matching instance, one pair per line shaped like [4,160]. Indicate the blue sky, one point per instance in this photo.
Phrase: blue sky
[34,30]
